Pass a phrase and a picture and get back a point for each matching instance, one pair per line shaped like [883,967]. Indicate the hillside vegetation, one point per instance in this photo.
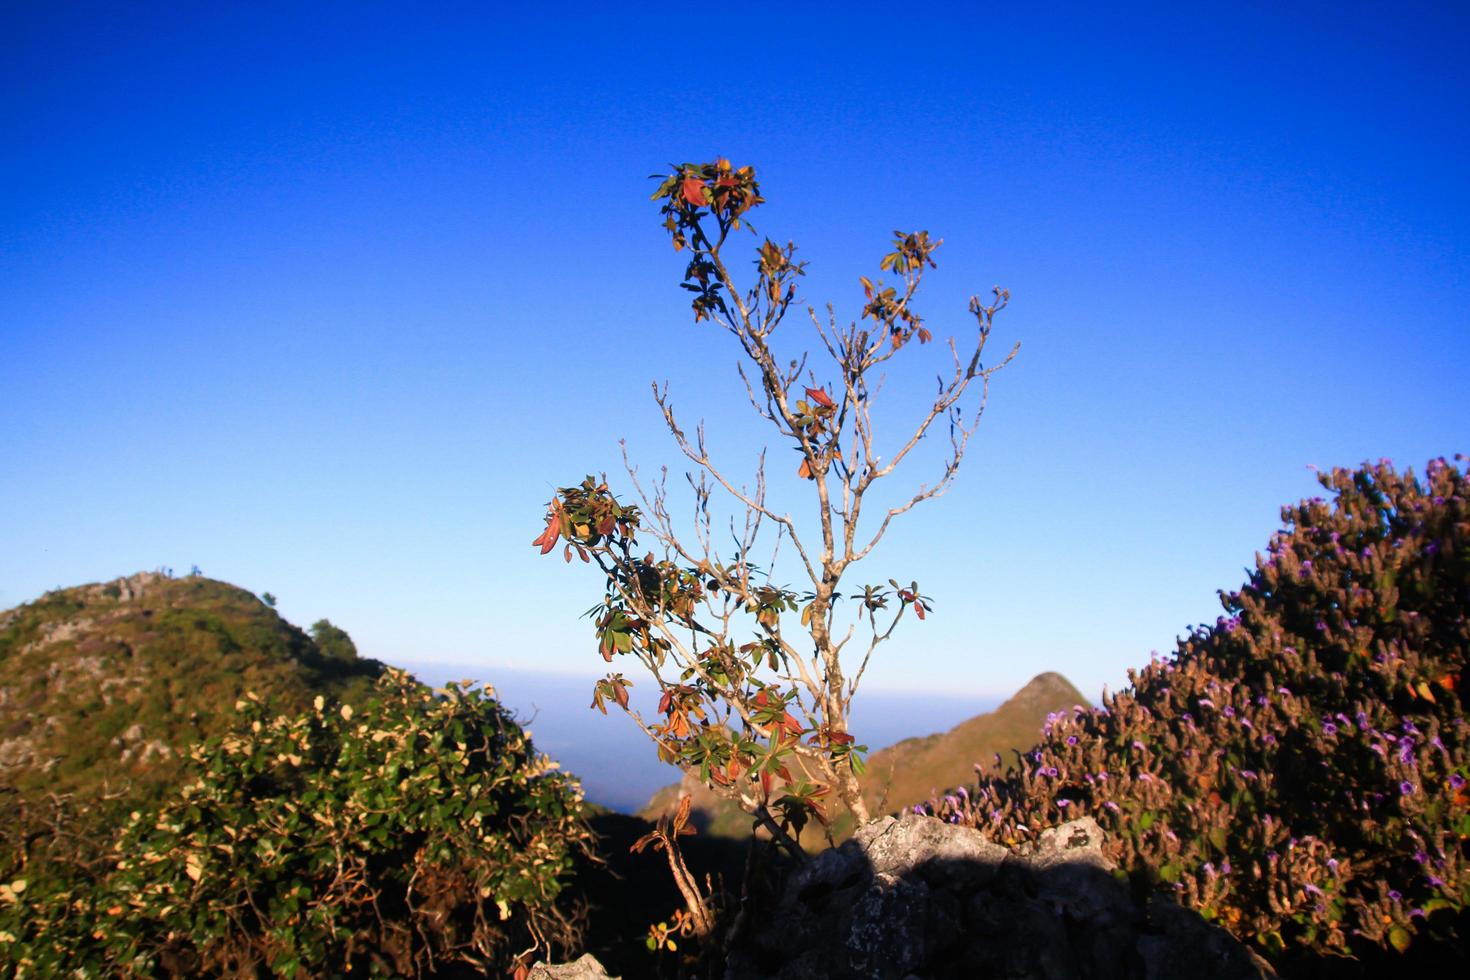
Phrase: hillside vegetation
[103,686]
[190,785]
[1299,771]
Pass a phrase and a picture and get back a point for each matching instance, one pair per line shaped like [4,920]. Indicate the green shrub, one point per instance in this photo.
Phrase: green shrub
[1297,771]
[418,831]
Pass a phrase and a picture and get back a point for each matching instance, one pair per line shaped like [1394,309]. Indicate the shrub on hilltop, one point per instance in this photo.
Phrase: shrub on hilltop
[1297,771]
[419,831]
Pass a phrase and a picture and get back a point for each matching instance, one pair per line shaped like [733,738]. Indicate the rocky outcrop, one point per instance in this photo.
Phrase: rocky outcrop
[915,897]
[585,968]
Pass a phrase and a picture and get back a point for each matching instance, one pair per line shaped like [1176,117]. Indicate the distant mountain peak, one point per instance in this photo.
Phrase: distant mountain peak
[911,771]
[1049,686]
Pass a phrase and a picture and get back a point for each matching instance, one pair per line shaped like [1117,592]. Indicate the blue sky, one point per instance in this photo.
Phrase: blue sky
[326,299]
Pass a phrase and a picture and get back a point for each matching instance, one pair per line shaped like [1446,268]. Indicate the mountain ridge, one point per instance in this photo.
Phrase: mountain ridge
[909,771]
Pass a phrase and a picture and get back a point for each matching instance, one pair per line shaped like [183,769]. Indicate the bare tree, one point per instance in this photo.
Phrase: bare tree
[757,706]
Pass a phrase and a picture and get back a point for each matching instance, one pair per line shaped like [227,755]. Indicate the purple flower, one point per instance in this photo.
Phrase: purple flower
[1228,711]
[1329,729]
[1144,777]
[1284,692]
[1111,805]
[1064,803]
[1432,548]
[1433,881]
[1206,703]
[1311,889]
[1071,739]
[1457,781]
[1406,788]
[1394,895]
[918,809]
[1332,865]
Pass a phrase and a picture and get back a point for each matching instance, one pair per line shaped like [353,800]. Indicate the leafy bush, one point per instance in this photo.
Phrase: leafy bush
[419,831]
[1297,771]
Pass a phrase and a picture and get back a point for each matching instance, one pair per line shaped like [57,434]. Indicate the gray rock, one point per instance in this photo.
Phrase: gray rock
[937,851]
[585,968]
[916,897]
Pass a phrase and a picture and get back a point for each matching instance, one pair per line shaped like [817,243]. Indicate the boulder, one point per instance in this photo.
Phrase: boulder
[915,897]
[585,968]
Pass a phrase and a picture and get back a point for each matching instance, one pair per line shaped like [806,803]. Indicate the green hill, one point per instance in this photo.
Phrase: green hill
[102,686]
[915,769]
[908,772]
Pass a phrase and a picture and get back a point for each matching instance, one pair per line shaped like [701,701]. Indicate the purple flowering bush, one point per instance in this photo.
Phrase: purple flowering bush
[1297,771]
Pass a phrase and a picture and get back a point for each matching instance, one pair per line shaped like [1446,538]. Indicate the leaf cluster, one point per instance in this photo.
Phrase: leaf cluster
[419,831]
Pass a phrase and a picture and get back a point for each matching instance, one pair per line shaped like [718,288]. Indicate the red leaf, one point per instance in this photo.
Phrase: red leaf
[547,539]
[791,724]
[693,191]
[620,693]
[819,395]
[919,610]
[665,701]
[804,471]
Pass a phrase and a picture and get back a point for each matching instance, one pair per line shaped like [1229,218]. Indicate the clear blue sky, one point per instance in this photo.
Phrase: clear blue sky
[326,299]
